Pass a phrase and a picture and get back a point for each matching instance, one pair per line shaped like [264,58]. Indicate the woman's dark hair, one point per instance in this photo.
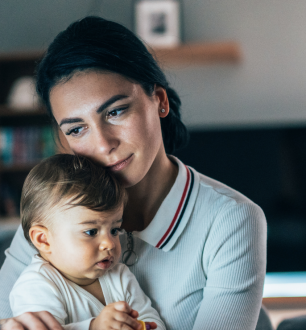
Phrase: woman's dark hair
[96,43]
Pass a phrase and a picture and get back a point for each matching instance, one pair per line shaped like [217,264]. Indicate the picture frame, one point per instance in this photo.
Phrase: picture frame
[157,22]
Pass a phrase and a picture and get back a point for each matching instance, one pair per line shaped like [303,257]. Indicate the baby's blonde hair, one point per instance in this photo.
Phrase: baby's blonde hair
[67,180]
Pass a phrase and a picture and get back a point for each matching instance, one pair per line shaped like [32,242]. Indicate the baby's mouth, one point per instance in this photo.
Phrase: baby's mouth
[105,263]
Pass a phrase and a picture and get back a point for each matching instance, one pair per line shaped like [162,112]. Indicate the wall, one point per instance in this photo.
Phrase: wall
[267,88]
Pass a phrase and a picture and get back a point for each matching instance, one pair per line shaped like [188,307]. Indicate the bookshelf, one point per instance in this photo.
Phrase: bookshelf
[25,136]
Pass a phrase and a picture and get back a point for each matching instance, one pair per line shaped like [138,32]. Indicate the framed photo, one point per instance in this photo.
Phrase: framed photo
[157,22]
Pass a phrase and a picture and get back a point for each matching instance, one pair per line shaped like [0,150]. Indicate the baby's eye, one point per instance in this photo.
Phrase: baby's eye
[117,231]
[91,232]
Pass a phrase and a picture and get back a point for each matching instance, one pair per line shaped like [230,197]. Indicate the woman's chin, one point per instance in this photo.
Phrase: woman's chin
[128,178]
[126,182]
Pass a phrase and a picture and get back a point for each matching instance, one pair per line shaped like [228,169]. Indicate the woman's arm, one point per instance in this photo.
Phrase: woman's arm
[234,260]
[37,320]
[18,256]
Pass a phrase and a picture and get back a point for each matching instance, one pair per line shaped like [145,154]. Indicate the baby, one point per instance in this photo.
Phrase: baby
[71,212]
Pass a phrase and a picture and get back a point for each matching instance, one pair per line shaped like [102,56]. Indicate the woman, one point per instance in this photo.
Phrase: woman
[196,246]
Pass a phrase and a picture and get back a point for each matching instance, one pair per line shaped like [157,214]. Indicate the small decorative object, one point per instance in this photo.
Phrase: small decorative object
[144,326]
[157,22]
[23,96]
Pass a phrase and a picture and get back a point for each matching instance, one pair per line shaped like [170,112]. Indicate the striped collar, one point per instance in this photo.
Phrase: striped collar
[174,213]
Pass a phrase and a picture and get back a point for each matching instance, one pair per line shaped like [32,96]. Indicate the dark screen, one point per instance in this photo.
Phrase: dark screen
[269,167]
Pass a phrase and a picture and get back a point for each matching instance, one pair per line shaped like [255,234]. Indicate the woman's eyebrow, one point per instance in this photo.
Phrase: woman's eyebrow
[110,101]
[70,121]
[102,107]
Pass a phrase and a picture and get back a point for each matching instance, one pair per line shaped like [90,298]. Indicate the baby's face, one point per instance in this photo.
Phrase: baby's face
[84,244]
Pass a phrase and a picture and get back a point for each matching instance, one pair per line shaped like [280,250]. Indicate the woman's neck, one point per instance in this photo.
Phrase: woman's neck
[146,197]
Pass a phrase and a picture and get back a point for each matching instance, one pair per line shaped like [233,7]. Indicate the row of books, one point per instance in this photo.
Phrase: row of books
[25,145]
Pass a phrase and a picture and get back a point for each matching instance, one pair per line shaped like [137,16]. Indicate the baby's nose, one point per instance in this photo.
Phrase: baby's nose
[107,243]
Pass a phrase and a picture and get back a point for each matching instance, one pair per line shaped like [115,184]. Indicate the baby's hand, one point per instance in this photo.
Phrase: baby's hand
[118,315]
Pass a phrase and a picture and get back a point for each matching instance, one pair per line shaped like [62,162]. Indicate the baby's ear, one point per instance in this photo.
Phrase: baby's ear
[40,238]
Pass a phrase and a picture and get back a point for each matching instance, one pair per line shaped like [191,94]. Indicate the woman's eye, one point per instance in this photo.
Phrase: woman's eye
[91,232]
[117,231]
[75,131]
[116,112]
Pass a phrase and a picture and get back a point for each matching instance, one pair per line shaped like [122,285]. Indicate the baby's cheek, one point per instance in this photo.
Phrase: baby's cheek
[83,254]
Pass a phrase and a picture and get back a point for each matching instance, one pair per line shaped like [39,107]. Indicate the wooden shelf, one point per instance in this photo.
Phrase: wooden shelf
[193,53]
[205,53]
[6,112]
[13,168]
[284,302]
[29,55]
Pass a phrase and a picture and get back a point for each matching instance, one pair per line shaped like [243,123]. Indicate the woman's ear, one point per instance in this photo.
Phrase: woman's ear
[164,108]
[40,238]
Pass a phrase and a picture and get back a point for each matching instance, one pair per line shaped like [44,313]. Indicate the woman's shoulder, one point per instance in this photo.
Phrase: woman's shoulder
[225,208]
[207,188]
[216,192]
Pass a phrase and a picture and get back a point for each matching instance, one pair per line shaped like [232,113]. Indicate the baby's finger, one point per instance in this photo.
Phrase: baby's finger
[122,326]
[126,319]
[122,306]
[134,314]
[152,325]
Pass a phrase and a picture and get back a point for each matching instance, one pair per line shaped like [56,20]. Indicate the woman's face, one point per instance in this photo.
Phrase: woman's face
[112,121]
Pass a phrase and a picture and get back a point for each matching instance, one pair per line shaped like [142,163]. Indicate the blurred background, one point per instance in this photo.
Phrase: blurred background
[240,70]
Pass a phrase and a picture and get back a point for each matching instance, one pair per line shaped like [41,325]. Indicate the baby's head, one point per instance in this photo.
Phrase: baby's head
[71,211]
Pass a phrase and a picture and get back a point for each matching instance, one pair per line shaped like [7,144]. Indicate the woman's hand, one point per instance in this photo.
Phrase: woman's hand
[118,315]
[31,321]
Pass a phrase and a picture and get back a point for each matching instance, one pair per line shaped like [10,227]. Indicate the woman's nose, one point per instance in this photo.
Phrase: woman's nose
[107,243]
[105,142]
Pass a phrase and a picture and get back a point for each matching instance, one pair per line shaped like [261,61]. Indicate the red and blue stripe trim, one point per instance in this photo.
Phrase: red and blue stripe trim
[180,210]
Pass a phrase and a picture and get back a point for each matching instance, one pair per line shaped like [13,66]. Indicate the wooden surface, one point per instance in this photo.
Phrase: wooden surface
[207,53]
[21,56]
[6,112]
[285,302]
[282,308]
[17,167]
[196,53]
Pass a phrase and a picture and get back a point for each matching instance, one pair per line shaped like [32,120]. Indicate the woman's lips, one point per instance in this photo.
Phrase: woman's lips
[120,165]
